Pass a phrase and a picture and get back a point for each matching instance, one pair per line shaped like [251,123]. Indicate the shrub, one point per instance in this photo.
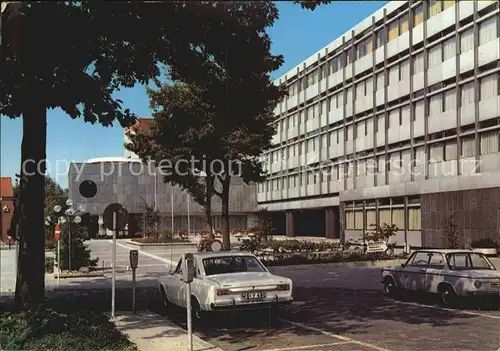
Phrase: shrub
[49,264]
[47,329]
[485,243]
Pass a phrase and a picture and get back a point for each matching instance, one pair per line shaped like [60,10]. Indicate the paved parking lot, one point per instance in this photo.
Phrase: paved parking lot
[335,309]
[342,319]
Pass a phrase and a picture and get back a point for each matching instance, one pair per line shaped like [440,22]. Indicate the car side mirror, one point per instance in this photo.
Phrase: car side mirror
[403,265]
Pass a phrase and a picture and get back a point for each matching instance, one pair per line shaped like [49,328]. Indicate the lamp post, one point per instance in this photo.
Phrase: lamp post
[70,215]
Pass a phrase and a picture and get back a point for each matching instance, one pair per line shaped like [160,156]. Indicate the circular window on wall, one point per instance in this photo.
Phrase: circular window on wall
[88,189]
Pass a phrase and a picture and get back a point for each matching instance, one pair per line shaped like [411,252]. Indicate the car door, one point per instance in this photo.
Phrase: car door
[175,284]
[412,276]
[434,272]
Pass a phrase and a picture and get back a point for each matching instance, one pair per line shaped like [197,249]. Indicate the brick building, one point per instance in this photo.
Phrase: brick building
[6,206]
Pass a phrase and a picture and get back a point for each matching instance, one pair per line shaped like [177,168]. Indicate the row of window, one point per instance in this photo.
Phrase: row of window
[364,220]
[394,161]
[488,31]
[489,87]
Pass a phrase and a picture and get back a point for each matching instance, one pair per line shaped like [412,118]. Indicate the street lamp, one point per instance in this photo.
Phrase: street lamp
[70,215]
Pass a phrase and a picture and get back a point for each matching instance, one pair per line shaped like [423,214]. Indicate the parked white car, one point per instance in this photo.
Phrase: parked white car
[448,273]
[226,281]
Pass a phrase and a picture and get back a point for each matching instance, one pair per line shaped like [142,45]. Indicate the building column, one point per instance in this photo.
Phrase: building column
[290,232]
[330,223]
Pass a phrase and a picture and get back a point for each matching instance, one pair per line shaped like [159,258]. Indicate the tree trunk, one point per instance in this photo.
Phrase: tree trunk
[226,241]
[30,285]
[208,204]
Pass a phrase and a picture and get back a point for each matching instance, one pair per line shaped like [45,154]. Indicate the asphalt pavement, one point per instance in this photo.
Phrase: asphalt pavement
[334,309]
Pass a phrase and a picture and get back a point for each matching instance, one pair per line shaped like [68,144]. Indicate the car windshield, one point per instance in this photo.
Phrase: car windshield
[231,264]
[468,261]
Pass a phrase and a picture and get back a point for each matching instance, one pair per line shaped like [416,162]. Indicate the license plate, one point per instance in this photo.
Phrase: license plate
[254,295]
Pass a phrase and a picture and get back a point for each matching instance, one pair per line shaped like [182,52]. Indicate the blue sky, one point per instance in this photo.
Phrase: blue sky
[296,35]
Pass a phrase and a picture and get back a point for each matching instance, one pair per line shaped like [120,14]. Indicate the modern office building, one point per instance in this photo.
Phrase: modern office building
[396,121]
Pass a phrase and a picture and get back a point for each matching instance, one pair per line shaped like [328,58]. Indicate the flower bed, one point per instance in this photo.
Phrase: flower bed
[296,252]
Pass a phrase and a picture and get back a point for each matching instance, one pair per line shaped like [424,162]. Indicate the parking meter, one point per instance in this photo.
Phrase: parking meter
[134,259]
[189,269]
[188,273]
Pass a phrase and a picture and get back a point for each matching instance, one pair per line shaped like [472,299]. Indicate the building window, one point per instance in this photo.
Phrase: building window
[349,220]
[405,70]
[450,150]
[404,25]
[369,45]
[449,49]
[434,56]
[394,74]
[358,220]
[418,63]
[414,219]
[381,39]
[361,49]
[435,7]
[350,56]
[488,87]
[467,94]
[490,142]
[450,100]
[448,3]
[468,146]
[384,216]
[380,81]
[398,218]
[418,15]
[393,30]
[371,219]
[435,105]
[488,30]
[436,153]
[467,40]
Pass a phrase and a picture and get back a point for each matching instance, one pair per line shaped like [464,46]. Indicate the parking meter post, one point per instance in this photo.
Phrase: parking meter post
[133,290]
[113,268]
[189,317]
[59,262]
[188,276]
[134,261]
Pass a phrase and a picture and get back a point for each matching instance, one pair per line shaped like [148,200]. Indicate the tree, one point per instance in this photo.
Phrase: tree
[235,100]
[83,55]
[451,232]
[80,253]
[182,130]
[150,219]
[54,195]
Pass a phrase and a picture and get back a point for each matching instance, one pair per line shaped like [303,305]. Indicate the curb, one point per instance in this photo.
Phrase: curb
[351,264]
[159,244]
[81,275]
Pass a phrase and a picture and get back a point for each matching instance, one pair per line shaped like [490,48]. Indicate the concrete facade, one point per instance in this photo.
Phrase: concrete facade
[404,105]
[131,183]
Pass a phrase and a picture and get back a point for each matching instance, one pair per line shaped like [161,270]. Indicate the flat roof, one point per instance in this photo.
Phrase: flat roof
[391,6]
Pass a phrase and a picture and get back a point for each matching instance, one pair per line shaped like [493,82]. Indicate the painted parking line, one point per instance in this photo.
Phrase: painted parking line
[337,336]
[310,347]
[478,314]
[161,259]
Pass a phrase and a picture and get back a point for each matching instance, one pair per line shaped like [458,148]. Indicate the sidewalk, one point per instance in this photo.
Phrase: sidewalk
[151,332]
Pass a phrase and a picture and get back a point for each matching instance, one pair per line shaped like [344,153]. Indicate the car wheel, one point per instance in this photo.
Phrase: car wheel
[164,298]
[390,288]
[389,251]
[447,296]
